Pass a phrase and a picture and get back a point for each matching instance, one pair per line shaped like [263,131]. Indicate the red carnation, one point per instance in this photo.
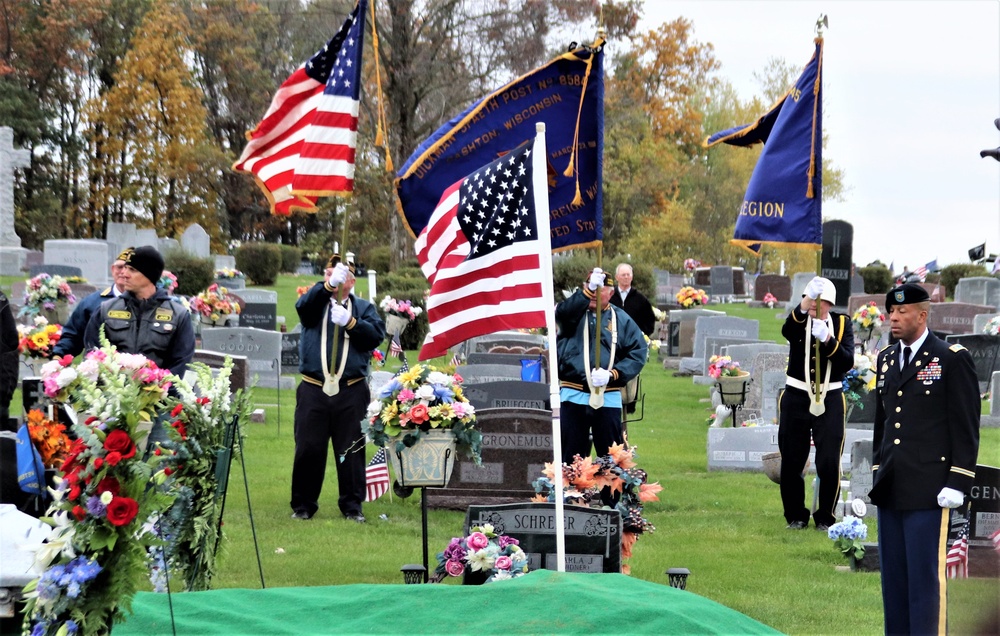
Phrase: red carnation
[79,512]
[98,462]
[177,410]
[122,510]
[109,484]
[118,440]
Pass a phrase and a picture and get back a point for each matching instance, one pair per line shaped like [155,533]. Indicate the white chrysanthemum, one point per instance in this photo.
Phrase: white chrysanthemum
[436,377]
[425,392]
[374,408]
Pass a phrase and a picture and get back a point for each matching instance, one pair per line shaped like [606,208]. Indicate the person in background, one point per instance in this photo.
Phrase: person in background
[71,341]
[339,332]
[590,387]
[9,360]
[632,301]
[924,454]
[810,411]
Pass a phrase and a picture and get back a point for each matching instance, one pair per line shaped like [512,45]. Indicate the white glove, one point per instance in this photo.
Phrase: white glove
[596,279]
[814,288]
[339,275]
[339,314]
[950,498]
[600,377]
[820,330]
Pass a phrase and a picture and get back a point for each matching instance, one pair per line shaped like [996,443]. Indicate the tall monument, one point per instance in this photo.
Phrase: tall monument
[11,253]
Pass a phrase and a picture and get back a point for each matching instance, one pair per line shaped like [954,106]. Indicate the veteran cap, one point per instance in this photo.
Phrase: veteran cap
[126,254]
[335,258]
[907,294]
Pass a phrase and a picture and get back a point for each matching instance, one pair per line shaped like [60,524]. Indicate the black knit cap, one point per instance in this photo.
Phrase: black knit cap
[332,262]
[147,261]
[907,294]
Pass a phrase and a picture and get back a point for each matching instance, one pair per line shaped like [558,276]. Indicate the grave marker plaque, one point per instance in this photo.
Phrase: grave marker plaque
[290,352]
[508,395]
[260,310]
[593,536]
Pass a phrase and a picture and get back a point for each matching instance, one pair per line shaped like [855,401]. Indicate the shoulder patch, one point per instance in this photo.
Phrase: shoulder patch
[882,350]
[956,348]
[119,313]
[164,314]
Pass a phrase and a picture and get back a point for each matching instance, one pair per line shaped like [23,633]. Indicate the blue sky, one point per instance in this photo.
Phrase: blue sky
[911,92]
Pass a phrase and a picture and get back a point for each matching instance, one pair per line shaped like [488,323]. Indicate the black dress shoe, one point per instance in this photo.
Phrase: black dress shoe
[797,525]
[301,514]
[358,518]
[822,527]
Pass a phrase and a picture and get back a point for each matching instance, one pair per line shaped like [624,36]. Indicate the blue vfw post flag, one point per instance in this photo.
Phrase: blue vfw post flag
[567,94]
[783,203]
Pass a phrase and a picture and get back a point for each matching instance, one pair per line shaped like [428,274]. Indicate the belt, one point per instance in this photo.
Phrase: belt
[343,382]
[802,386]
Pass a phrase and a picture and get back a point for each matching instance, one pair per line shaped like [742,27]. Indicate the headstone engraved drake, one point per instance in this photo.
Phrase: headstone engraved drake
[260,310]
[262,348]
[593,536]
[516,445]
[837,258]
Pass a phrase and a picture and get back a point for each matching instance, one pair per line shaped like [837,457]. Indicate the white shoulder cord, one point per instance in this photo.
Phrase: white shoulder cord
[597,393]
[331,383]
[816,408]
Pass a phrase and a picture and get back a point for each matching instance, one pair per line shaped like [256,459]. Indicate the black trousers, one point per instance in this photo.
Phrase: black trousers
[578,422]
[319,420]
[796,426]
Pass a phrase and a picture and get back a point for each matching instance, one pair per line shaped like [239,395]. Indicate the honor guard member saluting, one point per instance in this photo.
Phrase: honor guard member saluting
[810,409]
[925,446]
[146,320]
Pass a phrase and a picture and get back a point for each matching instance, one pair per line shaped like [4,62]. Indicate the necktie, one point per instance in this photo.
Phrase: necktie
[906,357]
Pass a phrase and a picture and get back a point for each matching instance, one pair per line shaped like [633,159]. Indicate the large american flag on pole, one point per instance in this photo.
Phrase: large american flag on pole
[376,476]
[480,253]
[304,146]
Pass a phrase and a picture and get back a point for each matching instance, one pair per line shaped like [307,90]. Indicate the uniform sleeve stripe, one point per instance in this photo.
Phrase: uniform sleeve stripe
[962,471]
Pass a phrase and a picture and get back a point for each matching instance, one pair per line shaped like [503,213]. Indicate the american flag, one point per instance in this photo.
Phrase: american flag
[456,360]
[304,147]
[376,476]
[958,556]
[396,349]
[924,269]
[480,253]
[995,538]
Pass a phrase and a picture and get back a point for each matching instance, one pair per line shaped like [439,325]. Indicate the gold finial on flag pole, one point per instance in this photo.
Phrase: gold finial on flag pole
[822,22]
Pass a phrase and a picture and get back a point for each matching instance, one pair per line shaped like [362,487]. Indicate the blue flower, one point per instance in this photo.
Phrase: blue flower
[39,628]
[443,393]
[72,627]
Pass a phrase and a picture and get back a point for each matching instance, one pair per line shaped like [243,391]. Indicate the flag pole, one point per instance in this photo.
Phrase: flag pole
[340,288]
[541,188]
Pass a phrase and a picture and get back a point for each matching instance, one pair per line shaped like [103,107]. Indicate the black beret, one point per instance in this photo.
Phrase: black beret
[907,294]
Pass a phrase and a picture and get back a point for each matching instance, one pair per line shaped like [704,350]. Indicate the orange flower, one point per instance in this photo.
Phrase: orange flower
[622,455]
[587,473]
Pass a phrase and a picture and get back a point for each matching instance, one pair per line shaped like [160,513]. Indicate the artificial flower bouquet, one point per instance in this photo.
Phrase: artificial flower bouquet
[38,339]
[43,292]
[49,437]
[860,379]
[691,264]
[214,303]
[770,300]
[93,559]
[586,477]
[868,320]
[402,308]
[168,281]
[690,297]
[725,367]
[418,400]
[499,557]
[228,272]
[992,328]
[848,535]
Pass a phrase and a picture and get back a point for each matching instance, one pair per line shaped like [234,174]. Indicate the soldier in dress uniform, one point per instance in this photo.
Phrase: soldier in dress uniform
[924,459]
[810,410]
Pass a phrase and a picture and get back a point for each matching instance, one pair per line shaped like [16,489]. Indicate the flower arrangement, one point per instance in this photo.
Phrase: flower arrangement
[689,297]
[214,303]
[168,281]
[848,535]
[659,314]
[49,437]
[992,327]
[301,290]
[97,549]
[868,320]
[691,264]
[498,556]
[378,358]
[73,280]
[860,379]
[418,400]
[38,339]
[723,366]
[402,308]
[617,471]
[43,292]
[228,272]
[770,300]
[199,419]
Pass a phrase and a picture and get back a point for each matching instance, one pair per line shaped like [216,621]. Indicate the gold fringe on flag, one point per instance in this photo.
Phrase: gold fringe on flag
[571,167]
[810,193]
[381,127]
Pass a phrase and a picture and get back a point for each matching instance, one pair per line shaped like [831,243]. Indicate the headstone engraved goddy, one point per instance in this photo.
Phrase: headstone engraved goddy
[516,445]
[262,349]
[593,536]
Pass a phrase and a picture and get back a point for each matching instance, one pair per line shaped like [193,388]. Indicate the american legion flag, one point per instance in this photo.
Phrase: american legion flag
[304,146]
[783,202]
[376,476]
[480,252]
[567,95]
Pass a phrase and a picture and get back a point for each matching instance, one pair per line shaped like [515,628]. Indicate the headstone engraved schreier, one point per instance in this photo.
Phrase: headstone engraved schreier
[593,536]
[516,445]
[837,257]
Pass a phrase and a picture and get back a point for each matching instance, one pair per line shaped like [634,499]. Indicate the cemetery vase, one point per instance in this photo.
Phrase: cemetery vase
[395,324]
[429,462]
[853,562]
[58,314]
[733,389]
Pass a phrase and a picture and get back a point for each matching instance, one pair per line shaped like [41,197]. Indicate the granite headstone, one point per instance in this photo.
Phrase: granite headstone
[90,255]
[954,318]
[838,257]
[508,395]
[778,286]
[195,240]
[978,290]
[983,349]
[260,310]
[262,349]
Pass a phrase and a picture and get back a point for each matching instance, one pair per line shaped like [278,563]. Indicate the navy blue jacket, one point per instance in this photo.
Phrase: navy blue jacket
[71,341]
[366,330]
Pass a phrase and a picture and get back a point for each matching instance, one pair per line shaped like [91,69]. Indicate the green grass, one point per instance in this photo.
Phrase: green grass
[727,528]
